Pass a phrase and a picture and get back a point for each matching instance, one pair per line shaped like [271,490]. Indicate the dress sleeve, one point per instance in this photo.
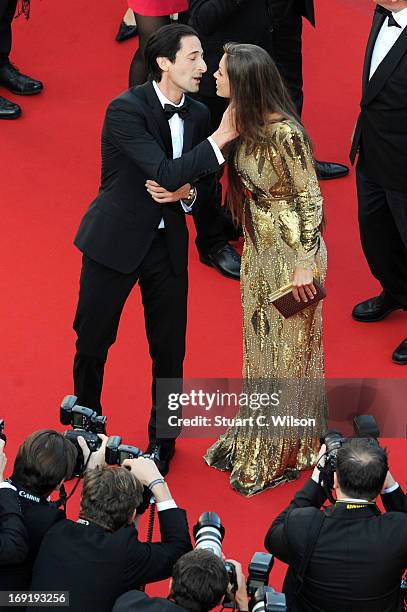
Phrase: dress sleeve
[303,231]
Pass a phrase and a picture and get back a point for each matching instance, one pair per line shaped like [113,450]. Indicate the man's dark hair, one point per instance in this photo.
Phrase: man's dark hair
[199,581]
[361,468]
[165,42]
[109,496]
[43,460]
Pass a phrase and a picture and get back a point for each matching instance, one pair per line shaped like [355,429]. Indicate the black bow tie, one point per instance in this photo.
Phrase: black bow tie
[171,110]
[391,22]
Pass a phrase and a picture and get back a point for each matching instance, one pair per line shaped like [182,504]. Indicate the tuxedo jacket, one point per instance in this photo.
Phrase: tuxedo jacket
[243,21]
[97,566]
[381,129]
[13,533]
[396,501]
[358,560]
[38,518]
[136,601]
[119,226]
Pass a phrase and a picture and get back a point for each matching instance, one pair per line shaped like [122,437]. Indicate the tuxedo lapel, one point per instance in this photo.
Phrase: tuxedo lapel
[385,68]
[376,26]
[162,121]
[188,132]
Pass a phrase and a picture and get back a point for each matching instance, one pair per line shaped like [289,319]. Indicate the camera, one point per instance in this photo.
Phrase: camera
[266,599]
[2,434]
[116,452]
[85,423]
[364,426]
[208,534]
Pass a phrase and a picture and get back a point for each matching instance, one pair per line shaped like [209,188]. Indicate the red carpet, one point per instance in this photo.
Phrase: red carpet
[49,162]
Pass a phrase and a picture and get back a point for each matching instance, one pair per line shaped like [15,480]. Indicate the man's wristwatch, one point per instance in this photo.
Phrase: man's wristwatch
[191,196]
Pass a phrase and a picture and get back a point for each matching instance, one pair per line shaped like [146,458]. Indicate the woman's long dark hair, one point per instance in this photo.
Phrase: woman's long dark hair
[256,91]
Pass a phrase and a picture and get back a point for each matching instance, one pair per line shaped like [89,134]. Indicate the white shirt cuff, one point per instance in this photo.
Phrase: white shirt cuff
[7,485]
[166,505]
[218,152]
[391,489]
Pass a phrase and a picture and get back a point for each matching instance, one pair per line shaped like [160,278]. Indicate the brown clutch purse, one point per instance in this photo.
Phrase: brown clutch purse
[285,303]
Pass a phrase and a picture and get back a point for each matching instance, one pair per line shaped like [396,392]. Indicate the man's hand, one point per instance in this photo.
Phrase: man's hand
[240,597]
[97,459]
[162,196]
[320,461]
[3,460]
[389,482]
[145,470]
[303,285]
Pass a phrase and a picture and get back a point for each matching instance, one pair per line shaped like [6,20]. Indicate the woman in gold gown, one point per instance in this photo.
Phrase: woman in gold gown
[274,193]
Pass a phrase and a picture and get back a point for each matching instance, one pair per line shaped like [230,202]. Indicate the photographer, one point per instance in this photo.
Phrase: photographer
[349,556]
[100,556]
[13,534]
[43,462]
[199,583]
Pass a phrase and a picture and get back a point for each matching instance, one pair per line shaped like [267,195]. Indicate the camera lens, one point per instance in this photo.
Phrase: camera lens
[209,533]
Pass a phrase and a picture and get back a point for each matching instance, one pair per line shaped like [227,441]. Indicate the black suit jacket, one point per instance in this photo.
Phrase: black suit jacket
[136,601]
[13,534]
[358,560]
[243,21]
[381,129]
[38,518]
[395,501]
[97,566]
[119,226]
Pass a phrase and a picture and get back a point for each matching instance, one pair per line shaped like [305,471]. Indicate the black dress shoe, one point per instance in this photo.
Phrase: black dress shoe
[9,110]
[226,261]
[328,170]
[400,354]
[375,309]
[162,453]
[125,32]
[18,83]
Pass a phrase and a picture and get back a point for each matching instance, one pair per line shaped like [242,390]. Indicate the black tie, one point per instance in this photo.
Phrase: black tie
[393,22]
[171,110]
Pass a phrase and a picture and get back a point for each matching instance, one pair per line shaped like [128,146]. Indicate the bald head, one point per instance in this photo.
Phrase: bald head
[361,468]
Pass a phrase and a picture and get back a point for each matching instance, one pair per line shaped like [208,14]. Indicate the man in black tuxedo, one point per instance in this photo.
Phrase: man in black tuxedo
[10,76]
[275,25]
[13,534]
[357,556]
[157,162]
[381,139]
[99,557]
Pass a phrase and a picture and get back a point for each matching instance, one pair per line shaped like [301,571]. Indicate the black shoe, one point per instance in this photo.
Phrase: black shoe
[400,354]
[9,110]
[226,261]
[162,454]
[125,32]
[18,83]
[328,170]
[375,309]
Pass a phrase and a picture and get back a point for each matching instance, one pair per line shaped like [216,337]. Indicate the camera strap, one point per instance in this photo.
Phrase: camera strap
[313,535]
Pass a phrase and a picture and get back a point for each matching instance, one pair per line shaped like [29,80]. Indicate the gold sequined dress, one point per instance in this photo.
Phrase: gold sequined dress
[282,217]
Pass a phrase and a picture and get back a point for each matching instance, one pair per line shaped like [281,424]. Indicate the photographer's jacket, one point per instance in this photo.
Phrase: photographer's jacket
[13,534]
[96,566]
[358,560]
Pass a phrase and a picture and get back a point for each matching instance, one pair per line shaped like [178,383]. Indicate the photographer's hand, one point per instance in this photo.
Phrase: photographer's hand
[240,597]
[3,460]
[97,459]
[389,482]
[146,471]
[320,462]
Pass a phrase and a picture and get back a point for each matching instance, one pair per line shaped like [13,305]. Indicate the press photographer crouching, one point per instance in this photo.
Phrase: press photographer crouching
[348,556]
[99,557]
[43,462]
[13,534]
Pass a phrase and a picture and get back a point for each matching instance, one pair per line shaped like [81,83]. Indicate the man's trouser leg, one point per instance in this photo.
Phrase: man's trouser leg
[7,11]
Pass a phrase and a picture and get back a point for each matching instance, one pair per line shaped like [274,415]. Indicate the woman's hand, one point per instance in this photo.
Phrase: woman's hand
[303,285]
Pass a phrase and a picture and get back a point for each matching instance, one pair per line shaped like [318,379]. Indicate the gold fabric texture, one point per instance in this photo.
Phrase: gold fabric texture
[282,217]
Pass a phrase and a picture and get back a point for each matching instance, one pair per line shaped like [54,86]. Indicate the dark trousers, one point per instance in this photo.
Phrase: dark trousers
[102,295]
[7,11]
[287,47]
[383,233]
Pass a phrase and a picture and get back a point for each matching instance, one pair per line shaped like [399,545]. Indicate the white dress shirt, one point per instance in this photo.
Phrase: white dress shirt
[176,124]
[386,39]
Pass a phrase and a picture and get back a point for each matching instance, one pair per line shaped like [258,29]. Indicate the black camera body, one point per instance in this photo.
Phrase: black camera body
[2,434]
[116,452]
[266,599]
[85,423]
[259,572]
